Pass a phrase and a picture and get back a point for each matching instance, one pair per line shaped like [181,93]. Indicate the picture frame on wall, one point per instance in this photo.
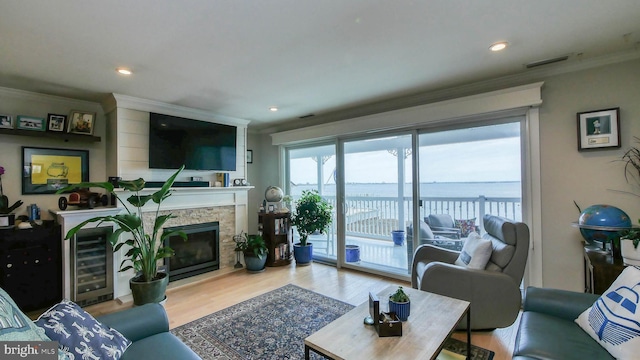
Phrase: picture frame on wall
[81,122]
[249,156]
[56,122]
[46,170]
[6,122]
[599,129]
[31,123]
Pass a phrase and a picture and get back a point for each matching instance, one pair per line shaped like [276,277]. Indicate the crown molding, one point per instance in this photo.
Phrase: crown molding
[426,97]
[129,102]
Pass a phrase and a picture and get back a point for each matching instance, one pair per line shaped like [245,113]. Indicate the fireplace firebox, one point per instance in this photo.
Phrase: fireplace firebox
[199,254]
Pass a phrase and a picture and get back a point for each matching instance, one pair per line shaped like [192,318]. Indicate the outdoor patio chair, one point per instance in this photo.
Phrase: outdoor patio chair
[493,291]
[443,225]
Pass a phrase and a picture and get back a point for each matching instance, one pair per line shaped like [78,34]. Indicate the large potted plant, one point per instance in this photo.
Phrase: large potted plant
[312,214]
[255,252]
[144,249]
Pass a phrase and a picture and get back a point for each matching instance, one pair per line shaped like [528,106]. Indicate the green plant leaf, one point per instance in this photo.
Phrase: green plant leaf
[103,185]
[132,185]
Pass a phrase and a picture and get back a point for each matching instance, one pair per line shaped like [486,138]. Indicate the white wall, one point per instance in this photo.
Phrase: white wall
[14,103]
[586,177]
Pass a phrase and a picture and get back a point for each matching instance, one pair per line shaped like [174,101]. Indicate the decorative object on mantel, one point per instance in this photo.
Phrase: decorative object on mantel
[599,129]
[313,214]
[144,250]
[7,219]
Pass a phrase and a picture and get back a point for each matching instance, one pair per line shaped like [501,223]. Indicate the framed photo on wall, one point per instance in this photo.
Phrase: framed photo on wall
[81,122]
[249,156]
[31,123]
[6,122]
[599,129]
[56,122]
[45,171]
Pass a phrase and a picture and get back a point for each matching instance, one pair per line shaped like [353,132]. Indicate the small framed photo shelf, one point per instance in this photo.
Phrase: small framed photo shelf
[249,156]
[31,123]
[81,122]
[599,129]
[6,122]
[56,122]
[45,171]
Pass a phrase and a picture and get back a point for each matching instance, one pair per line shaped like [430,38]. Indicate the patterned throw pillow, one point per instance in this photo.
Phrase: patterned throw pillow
[614,319]
[475,253]
[466,226]
[80,334]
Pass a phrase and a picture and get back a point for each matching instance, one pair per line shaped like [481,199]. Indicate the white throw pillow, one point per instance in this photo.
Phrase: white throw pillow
[614,319]
[475,253]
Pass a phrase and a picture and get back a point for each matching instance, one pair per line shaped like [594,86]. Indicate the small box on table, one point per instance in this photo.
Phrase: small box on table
[386,324]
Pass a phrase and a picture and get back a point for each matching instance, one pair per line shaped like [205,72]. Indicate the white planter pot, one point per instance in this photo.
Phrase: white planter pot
[630,255]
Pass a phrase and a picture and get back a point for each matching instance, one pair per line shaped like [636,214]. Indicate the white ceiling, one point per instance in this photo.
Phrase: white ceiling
[239,57]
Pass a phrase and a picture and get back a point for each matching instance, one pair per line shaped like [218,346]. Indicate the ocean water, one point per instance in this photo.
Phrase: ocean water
[448,189]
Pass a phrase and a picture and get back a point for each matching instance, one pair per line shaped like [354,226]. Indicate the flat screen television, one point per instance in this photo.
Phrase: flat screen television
[199,145]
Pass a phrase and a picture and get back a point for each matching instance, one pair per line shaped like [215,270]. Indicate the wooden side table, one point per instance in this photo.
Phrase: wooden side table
[600,270]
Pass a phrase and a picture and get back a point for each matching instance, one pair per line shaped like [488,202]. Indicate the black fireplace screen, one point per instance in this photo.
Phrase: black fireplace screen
[198,254]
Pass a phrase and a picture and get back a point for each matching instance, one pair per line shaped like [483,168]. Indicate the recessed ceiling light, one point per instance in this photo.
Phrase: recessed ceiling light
[123,71]
[498,46]
[273,108]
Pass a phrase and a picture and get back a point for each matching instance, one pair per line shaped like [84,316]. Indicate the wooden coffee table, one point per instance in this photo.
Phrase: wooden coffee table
[433,318]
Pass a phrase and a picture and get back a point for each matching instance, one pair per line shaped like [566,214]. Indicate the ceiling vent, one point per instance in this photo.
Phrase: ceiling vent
[546,61]
[306,116]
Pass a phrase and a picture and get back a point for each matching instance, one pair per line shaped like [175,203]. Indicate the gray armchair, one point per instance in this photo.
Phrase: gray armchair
[494,293]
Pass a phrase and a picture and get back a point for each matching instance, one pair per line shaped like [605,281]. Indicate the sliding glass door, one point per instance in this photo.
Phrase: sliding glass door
[314,168]
[378,202]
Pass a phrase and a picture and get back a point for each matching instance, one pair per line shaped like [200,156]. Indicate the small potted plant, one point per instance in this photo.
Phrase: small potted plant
[255,252]
[313,214]
[400,304]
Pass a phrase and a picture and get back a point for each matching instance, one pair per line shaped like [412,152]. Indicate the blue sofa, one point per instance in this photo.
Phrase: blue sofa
[147,326]
[547,329]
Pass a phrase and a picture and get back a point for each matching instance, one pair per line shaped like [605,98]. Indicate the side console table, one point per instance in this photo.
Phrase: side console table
[600,270]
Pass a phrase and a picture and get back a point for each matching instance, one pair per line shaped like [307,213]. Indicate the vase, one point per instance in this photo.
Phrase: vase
[303,254]
[352,253]
[254,264]
[145,292]
[402,309]
[398,237]
[630,254]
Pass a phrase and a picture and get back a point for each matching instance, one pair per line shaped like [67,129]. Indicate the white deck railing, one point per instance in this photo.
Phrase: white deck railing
[376,217]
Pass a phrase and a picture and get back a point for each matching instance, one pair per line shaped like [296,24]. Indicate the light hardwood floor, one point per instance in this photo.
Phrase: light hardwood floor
[189,302]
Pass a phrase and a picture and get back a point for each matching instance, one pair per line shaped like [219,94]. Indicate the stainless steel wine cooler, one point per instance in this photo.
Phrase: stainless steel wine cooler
[91,266]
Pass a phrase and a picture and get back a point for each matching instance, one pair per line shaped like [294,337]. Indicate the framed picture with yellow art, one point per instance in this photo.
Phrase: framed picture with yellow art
[45,170]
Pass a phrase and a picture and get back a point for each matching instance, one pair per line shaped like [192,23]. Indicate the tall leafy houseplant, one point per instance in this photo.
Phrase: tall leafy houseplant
[631,238]
[144,249]
[312,214]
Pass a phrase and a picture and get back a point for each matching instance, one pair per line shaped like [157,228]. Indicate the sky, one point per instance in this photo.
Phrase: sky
[476,161]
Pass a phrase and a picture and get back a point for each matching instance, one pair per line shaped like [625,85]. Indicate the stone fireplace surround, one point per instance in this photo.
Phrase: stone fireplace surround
[228,206]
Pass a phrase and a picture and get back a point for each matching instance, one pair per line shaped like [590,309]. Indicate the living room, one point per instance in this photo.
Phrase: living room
[564,175]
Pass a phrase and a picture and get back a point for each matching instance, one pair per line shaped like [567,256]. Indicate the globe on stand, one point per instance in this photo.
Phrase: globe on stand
[602,224]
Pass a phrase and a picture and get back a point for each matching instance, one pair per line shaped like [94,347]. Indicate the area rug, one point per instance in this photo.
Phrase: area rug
[273,326]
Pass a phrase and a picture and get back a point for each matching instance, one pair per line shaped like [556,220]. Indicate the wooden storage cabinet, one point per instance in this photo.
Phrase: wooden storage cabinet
[277,233]
[600,271]
[30,265]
